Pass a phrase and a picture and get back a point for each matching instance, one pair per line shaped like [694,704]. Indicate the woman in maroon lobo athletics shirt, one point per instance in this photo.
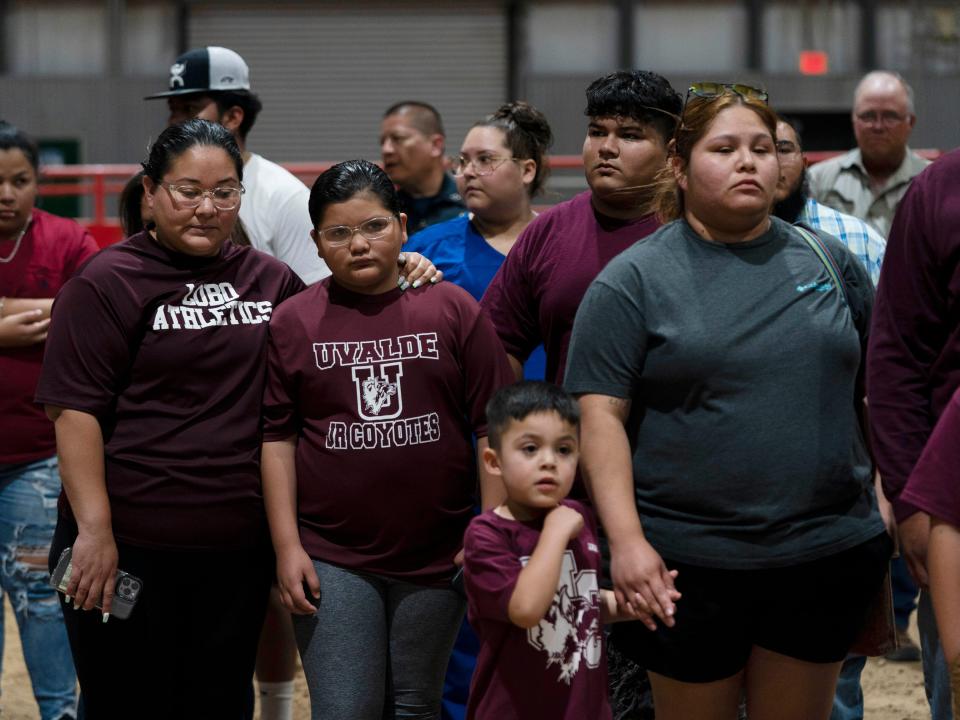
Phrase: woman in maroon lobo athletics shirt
[153,374]
[373,398]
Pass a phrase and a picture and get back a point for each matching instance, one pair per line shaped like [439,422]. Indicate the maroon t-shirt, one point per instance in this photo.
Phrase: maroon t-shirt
[51,251]
[557,669]
[913,359]
[167,351]
[534,296]
[384,393]
[934,485]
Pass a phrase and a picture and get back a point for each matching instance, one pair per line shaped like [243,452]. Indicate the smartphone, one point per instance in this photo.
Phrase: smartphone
[126,593]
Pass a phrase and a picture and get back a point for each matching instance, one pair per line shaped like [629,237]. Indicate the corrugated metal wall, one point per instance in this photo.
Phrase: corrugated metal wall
[324,95]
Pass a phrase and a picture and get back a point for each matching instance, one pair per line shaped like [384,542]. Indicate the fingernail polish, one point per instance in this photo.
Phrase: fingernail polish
[76,605]
[434,279]
[68,598]
[106,616]
[416,283]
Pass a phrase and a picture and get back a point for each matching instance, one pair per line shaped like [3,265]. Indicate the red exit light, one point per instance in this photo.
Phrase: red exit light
[813,62]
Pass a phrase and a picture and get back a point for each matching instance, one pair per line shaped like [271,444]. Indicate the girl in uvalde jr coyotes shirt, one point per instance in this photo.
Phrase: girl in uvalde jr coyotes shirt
[372,402]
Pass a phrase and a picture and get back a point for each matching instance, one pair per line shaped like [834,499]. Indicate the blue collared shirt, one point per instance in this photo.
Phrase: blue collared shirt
[861,239]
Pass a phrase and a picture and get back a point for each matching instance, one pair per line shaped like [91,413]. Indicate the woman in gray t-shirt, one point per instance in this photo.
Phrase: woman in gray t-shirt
[718,366]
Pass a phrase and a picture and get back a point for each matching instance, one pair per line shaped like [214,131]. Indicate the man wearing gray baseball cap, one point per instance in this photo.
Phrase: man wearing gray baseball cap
[213,83]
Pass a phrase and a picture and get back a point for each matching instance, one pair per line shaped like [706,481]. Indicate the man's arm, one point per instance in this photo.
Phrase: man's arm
[907,334]
[511,304]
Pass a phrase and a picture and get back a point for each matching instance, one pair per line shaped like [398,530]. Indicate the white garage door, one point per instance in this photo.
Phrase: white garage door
[327,71]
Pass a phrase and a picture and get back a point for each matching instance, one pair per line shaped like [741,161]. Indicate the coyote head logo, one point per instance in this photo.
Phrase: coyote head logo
[379,396]
[570,633]
[377,393]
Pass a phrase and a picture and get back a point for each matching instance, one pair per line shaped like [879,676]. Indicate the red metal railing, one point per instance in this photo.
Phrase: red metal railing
[102,181]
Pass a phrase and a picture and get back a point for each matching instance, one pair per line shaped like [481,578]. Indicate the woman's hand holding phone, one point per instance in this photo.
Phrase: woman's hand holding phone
[93,576]
[296,577]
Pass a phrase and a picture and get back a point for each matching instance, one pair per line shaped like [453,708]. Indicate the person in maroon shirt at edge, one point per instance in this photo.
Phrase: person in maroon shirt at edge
[38,252]
[534,296]
[373,399]
[154,381]
[933,489]
[913,360]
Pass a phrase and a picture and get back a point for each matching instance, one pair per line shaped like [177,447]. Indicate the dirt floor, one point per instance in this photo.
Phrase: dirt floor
[892,691]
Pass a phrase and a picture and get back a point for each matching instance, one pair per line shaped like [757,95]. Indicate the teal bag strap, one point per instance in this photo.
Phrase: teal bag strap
[822,252]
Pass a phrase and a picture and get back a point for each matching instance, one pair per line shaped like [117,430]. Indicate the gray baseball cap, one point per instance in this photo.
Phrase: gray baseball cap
[206,69]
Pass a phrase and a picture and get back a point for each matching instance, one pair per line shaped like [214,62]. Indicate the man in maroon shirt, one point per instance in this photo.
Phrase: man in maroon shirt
[535,295]
[913,363]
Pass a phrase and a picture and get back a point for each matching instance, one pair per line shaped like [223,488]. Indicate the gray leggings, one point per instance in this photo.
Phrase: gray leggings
[376,648]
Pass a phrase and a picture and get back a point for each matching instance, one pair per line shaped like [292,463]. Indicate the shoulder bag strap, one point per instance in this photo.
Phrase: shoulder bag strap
[826,257]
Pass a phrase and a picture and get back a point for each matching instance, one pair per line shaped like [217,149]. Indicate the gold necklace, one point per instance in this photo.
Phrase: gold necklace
[16,245]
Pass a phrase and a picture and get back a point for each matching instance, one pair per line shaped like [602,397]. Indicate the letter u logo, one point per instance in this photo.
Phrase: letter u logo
[378,394]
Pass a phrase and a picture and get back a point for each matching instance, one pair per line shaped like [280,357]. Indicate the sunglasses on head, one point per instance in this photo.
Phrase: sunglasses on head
[712,90]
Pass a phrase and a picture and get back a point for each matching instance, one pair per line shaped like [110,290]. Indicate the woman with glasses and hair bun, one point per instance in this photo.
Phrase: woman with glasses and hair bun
[718,364]
[502,166]
[154,379]
[374,397]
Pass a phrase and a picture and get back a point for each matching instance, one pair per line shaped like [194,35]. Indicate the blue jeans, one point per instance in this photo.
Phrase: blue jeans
[848,701]
[936,674]
[28,515]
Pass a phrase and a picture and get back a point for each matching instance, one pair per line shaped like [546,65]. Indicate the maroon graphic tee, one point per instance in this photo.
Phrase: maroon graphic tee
[168,352]
[557,669]
[384,394]
[50,252]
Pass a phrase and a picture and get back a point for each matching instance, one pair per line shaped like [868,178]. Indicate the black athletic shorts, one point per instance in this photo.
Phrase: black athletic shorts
[813,611]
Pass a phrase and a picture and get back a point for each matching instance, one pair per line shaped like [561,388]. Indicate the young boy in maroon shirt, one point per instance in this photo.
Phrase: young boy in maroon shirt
[531,569]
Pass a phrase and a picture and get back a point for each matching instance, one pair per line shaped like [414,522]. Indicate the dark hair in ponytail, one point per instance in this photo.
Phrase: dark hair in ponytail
[528,136]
